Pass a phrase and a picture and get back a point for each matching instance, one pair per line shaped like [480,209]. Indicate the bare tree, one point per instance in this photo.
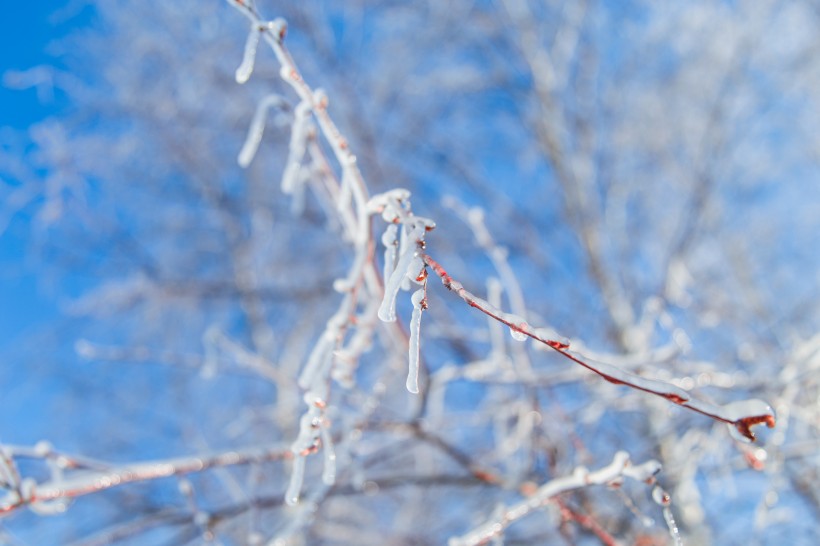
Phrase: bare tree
[635,176]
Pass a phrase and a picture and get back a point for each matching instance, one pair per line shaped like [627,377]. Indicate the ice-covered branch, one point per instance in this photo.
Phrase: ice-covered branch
[620,468]
[335,354]
[74,477]
[741,415]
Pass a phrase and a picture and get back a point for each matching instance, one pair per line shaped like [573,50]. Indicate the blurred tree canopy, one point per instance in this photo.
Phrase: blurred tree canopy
[640,176]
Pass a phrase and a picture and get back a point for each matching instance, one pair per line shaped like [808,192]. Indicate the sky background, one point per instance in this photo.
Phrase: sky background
[25,32]
[33,300]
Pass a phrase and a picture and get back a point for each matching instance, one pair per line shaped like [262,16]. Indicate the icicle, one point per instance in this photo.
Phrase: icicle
[297,202]
[387,310]
[329,473]
[296,151]
[309,430]
[390,242]
[321,352]
[345,191]
[256,128]
[663,499]
[415,328]
[297,476]
[243,73]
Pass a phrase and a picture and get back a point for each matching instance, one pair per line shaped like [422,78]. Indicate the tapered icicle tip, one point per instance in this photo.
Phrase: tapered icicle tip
[243,73]
[296,478]
[415,326]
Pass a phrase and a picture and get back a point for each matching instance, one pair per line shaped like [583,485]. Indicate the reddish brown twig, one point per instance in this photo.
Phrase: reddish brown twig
[743,415]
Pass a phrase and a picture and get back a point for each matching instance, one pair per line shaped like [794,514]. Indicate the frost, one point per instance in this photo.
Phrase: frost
[663,499]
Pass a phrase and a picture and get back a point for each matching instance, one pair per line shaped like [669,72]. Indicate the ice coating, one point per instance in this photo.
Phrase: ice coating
[329,471]
[744,414]
[619,468]
[243,73]
[663,499]
[390,242]
[297,476]
[387,310]
[514,322]
[296,148]
[257,128]
[415,326]
[518,335]
[741,415]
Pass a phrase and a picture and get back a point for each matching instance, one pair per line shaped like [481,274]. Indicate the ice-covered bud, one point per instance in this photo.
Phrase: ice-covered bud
[320,99]
[289,74]
[745,414]
[279,28]
[43,448]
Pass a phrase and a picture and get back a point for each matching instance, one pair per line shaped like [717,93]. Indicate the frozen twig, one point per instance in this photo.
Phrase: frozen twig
[620,468]
[82,477]
[741,415]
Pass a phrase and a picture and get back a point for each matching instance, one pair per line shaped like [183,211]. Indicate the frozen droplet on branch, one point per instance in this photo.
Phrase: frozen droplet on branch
[745,414]
[660,496]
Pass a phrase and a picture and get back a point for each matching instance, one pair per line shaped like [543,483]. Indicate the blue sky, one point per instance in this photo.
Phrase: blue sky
[30,301]
[25,32]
